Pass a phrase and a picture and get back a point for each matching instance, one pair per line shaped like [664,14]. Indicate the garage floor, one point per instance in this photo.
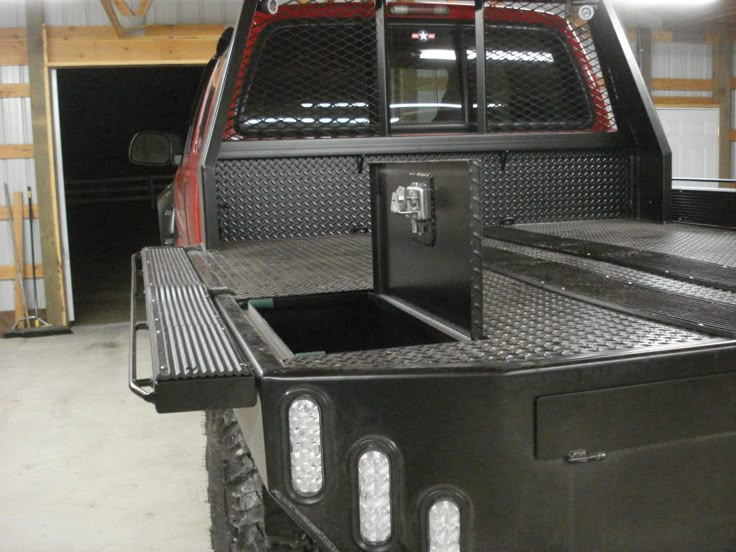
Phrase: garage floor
[87,466]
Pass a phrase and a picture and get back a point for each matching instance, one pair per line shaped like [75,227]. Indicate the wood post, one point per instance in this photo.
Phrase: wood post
[644,54]
[44,165]
[722,62]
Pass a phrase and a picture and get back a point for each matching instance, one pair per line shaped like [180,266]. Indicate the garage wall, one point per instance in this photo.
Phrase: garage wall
[15,113]
[15,128]
[162,12]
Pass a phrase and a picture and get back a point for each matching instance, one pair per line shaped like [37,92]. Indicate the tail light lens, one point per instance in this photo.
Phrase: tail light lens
[374,500]
[305,440]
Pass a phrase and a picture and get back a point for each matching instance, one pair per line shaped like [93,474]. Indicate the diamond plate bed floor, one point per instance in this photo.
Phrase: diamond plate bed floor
[524,324]
[273,268]
[710,245]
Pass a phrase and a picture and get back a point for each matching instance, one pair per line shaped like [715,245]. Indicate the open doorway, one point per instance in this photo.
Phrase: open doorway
[110,204]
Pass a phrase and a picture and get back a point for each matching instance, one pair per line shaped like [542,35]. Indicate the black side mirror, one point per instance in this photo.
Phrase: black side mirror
[155,149]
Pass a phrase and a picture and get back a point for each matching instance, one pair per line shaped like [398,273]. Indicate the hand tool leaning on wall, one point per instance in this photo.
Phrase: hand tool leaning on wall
[29,325]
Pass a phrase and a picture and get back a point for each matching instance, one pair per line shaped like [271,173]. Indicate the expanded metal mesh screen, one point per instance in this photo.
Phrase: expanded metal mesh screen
[542,70]
[311,71]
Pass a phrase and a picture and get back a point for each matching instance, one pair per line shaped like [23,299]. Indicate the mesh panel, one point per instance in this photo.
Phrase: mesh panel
[332,194]
[311,72]
[532,79]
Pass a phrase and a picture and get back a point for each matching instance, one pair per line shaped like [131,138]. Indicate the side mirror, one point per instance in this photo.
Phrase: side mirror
[155,149]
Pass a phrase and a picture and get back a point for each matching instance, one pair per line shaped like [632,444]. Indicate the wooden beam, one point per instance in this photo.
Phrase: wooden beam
[48,209]
[7,272]
[123,8]
[722,64]
[21,90]
[16,151]
[682,85]
[143,7]
[13,46]
[5,212]
[684,102]
[112,15]
[100,46]
[644,54]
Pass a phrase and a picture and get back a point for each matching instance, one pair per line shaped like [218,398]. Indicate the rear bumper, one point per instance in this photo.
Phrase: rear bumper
[664,423]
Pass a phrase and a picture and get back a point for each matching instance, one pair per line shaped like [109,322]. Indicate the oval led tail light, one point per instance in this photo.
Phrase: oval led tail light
[305,440]
[444,526]
[374,500]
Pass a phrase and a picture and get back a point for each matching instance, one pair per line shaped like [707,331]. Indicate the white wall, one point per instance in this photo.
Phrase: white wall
[15,128]
[162,12]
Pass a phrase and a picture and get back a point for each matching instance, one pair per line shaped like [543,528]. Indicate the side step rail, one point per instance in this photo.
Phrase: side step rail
[195,363]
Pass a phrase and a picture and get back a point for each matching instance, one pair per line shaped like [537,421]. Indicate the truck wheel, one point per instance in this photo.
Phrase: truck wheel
[239,507]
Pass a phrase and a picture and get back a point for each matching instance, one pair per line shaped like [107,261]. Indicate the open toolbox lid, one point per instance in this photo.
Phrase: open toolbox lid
[427,242]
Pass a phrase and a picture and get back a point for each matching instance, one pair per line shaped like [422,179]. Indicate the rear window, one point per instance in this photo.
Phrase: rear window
[316,79]
[312,80]
[533,81]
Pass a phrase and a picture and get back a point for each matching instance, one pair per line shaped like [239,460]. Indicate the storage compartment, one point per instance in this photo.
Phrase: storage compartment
[341,322]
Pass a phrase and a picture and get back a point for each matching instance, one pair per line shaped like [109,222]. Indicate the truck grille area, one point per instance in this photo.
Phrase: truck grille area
[263,198]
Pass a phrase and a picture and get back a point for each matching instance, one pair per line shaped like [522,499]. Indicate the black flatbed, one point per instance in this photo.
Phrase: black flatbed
[528,321]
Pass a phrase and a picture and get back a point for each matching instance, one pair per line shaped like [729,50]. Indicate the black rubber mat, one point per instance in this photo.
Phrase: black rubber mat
[655,304]
[672,266]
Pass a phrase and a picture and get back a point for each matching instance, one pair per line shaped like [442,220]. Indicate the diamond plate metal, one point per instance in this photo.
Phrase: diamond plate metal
[621,273]
[710,245]
[272,268]
[301,197]
[523,325]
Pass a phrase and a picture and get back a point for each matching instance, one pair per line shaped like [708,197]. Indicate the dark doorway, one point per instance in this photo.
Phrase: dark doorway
[111,203]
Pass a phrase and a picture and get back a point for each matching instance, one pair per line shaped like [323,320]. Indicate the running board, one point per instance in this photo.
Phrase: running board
[195,364]
[670,266]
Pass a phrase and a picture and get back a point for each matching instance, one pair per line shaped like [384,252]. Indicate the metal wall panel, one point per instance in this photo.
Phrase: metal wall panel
[12,13]
[162,12]
[682,60]
[15,128]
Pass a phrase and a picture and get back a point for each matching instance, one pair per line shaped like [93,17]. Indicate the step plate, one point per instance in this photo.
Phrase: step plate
[196,366]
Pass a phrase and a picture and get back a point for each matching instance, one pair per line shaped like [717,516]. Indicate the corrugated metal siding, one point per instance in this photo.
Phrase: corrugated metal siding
[12,13]
[162,12]
[682,60]
[15,128]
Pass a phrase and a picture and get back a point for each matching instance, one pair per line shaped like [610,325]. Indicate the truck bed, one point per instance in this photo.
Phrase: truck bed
[544,301]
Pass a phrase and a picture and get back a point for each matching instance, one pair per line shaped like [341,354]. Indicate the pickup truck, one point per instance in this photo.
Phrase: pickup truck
[434,301]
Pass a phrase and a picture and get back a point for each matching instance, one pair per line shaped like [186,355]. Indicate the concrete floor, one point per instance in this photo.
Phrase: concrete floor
[84,464]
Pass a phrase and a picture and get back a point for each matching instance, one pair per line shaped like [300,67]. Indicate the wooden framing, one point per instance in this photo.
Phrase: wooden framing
[723,69]
[684,101]
[684,85]
[16,151]
[21,90]
[100,46]
[46,189]
[13,50]
[7,272]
